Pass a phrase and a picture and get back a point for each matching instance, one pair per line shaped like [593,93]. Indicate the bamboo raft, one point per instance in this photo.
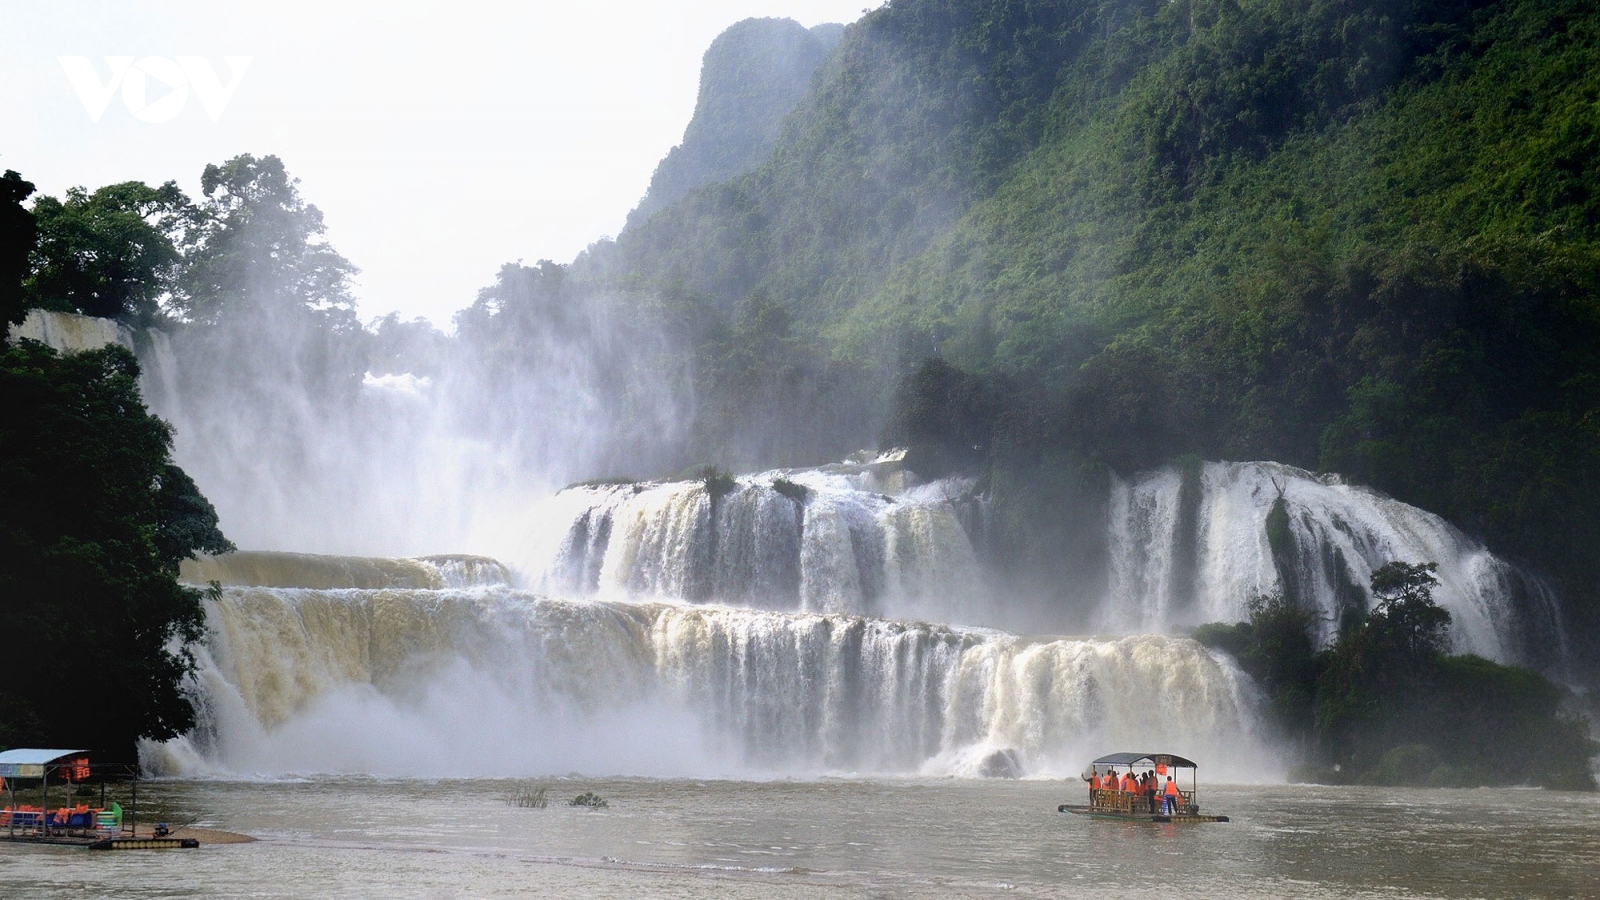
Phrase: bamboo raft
[1174,818]
[138,843]
[1136,806]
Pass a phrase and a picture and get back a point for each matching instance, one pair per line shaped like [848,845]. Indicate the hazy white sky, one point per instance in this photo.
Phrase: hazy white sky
[439,139]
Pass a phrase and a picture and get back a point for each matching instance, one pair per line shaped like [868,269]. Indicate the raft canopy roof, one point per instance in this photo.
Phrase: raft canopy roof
[1144,759]
[13,761]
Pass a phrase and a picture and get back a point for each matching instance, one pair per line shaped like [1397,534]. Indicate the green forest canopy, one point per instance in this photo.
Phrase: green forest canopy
[1357,236]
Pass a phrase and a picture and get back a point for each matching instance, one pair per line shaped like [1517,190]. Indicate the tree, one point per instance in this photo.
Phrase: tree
[264,290]
[94,522]
[1411,627]
[1275,648]
[1378,680]
[110,253]
[945,416]
[260,245]
[18,234]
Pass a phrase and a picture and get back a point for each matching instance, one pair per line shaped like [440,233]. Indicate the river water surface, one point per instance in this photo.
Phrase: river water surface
[360,837]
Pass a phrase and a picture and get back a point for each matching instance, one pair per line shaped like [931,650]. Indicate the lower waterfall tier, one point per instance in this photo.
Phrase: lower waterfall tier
[492,681]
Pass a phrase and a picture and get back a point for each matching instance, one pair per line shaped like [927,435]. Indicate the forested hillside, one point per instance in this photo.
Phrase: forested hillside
[1354,236]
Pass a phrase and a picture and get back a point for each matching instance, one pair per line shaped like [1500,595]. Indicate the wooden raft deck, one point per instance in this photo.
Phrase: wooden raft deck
[1175,818]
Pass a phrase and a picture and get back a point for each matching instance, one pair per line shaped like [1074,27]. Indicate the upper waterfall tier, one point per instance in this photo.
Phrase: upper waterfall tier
[495,682]
[854,537]
[1180,549]
[255,568]
[69,332]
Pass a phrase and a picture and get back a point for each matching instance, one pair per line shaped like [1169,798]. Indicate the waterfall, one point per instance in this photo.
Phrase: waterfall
[828,540]
[803,621]
[69,332]
[311,570]
[1183,548]
[494,681]
[1337,535]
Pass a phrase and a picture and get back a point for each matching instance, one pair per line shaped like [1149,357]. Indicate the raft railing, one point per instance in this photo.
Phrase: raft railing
[1136,802]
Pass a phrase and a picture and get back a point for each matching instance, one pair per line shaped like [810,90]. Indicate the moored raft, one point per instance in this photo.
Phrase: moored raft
[139,843]
[69,822]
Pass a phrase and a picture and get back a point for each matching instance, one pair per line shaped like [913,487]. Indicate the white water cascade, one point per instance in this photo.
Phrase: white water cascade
[492,681]
[864,538]
[783,627]
[1180,556]
[856,537]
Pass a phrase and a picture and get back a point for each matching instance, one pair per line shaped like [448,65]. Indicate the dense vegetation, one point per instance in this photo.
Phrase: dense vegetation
[95,521]
[96,517]
[1387,705]
[1357,236]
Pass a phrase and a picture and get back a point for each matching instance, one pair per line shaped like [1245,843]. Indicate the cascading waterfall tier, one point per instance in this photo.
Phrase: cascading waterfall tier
[1196,546]
[494,681]
[259,568]
[850,538]
[1183,547]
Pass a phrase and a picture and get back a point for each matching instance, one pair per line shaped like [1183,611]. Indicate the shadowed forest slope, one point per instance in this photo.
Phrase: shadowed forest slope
[1356,236]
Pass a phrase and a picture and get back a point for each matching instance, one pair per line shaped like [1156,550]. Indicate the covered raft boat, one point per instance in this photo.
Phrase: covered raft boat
[70,821]
[1112,796]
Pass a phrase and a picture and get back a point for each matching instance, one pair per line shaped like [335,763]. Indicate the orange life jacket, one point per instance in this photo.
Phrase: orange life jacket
[1094,782]
[1172,788]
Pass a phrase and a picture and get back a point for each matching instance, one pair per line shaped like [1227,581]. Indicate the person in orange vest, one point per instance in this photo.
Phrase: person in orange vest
[1094,785]
[1129,785]
[1170,795]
